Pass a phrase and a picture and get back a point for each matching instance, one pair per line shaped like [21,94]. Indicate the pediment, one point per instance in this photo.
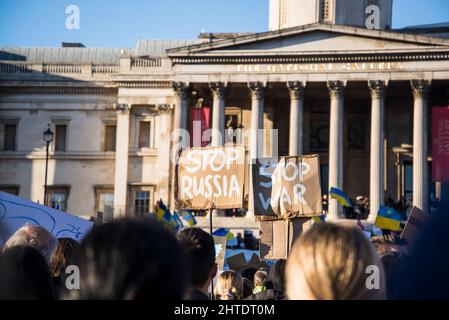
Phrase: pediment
[314,39]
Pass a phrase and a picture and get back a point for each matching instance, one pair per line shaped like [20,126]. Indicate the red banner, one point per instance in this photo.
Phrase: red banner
[200,123]
[440,144]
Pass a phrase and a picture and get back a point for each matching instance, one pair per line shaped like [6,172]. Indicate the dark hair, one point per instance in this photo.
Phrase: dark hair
[249,273]
[247,288]
[62,255]
[130,259]
[276,276]
[200,252]
[24,275]
[425,272]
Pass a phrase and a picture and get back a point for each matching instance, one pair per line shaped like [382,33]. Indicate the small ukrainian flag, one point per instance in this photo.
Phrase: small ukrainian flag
[188,217]
[388,219]
[341,197]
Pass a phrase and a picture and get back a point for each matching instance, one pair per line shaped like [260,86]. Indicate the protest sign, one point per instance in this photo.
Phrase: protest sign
[220,251]
[16,212]
[274,235]
[297,188]
[262,171]
[414,225]
[210,178]
[440,144]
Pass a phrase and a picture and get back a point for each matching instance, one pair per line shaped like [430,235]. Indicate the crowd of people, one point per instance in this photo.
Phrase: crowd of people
[132,259]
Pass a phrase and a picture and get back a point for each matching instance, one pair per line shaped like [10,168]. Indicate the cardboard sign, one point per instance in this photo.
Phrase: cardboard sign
[414,225]
[220,251]
[237,261]
[262,171]
[16,212]
[210,178]
[297,188]
[274,234]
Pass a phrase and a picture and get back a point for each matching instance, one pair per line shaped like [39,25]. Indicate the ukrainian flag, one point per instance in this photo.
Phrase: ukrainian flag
[388,219]
[320,219]
[188,217]
[164,215]
[341,197]
[223,232]
[178,221]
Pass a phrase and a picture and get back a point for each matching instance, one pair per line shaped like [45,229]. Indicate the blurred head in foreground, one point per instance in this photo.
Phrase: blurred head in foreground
[35,237]
[334,262]
[62,256]
[129,259]
[229,286]
[24,275]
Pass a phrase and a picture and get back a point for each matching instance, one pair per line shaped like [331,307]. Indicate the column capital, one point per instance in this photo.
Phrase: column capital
[296,89]
[257,89]
[377,88]
[420,88]
[122,107]
[336,88]
[218,89]
[181,89]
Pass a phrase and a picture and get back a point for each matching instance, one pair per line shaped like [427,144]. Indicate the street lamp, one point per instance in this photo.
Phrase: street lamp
[48,138]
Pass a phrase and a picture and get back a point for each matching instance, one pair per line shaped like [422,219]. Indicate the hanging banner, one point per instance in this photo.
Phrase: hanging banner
[440,144]
[262,171]
[16,212]
[210,178]
[296,189]
[200,123]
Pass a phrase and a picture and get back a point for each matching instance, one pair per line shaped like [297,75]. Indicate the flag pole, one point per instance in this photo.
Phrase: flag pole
[211,231]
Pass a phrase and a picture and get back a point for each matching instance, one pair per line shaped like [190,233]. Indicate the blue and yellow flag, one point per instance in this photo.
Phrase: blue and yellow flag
[320,219]
[164,215]
[177,219]
[388,219]
[223,232]
[188,217]
[341,197]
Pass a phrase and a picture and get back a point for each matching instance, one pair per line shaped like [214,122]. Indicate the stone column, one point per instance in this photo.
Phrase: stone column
[181,90]
[218,115]
[121,161]
[296,90]
[420,90]
[377,90]
[336,92]
[257,90]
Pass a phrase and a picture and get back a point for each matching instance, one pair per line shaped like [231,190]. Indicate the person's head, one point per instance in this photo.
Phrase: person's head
[276,276]
[260,278]
[247,288]
[229,286]
[130,259]
[24,275]
[200,253]
[330,262]
[392,255]
[35,237]
[62,255]
[249,273]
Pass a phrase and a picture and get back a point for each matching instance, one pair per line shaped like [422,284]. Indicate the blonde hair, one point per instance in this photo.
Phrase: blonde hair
[36,237]
[229,286]
[260,278]
[330,263]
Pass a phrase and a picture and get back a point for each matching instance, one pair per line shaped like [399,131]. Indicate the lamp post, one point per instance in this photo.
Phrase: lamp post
[48,138]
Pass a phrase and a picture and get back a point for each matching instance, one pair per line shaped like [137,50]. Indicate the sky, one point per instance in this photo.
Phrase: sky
[119,23]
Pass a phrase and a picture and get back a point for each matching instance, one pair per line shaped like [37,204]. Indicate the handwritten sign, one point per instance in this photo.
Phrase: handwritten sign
[296,188]
[262,185]
[15,212]
[220,251]
[209,178]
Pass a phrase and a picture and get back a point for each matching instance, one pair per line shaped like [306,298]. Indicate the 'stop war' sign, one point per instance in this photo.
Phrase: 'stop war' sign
[210,178]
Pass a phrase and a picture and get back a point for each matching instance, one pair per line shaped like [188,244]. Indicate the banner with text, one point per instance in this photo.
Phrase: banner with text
[440,144]
[200,123]
[210,178]
[296,187]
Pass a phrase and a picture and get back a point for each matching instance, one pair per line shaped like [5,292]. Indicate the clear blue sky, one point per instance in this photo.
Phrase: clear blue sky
[114,23]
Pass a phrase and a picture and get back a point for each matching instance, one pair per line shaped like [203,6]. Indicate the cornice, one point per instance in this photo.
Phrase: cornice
[5,90]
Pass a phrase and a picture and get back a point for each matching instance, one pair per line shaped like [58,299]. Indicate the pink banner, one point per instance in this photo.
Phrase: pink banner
[440,144]
[200,123]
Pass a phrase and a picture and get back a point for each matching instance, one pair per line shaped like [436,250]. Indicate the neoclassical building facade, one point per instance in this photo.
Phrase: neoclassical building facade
[360,98]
